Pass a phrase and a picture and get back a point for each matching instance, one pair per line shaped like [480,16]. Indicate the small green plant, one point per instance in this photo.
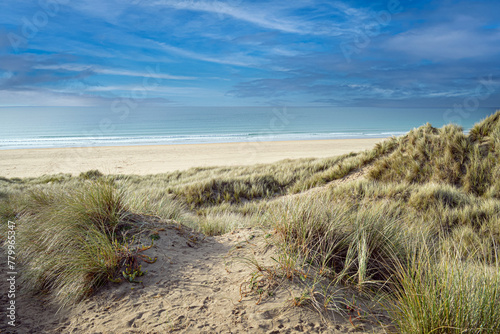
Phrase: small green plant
[131,273]
[301,300]
[261,282]
[130,259]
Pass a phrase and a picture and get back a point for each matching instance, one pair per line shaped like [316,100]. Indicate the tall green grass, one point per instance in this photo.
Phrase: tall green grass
[67,239]
[357,243]
[390,240]
[446,296]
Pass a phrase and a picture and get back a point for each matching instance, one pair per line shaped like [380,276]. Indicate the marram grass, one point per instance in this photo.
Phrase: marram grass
[446,296]
[67,239]
[357,242]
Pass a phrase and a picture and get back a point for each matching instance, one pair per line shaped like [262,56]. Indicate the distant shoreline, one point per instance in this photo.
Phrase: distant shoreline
[155,159]
[124,141]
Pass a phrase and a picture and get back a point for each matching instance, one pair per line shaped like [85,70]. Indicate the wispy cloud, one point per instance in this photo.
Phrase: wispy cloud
[260,18]
[120,72]
[170,90]
[275,15]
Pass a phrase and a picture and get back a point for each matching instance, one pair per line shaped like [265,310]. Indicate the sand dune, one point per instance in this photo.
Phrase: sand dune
[197,285]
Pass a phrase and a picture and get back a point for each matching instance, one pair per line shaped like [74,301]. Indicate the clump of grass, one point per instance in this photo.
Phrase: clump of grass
[221,223]
[437,208]
[479,176]
[92,174]
[446,296]
[347,164]
[58,178]
[438,196]
[356,242]
[9,205]
[217,191]
[466,243]
[156,202]
[67,239]
[486,127]
[425,154]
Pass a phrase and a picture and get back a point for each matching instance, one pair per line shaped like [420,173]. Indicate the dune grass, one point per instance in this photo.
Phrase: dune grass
[447,155]
[356,243]
[421,248]
[439,294]
[70,237]
[421,233]
[67,240]
[202,188]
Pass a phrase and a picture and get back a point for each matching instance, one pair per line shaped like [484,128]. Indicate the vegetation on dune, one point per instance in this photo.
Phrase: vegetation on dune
[69,239]
[66,239]
[421,233]
[205,188]
[447,295]
[429,229]
[399,240]
[447,155]
[354,243]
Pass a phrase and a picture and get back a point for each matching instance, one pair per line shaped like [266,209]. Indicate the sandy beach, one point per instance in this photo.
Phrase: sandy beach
[142,160]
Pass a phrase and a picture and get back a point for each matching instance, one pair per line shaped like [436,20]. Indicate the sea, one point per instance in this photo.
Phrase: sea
[52,127]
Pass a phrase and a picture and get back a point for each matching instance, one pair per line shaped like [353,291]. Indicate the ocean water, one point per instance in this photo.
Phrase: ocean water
[44,127]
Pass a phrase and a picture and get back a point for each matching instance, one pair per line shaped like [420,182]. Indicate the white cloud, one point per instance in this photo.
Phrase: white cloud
[149,73]
[259,18]
[6,75]
[281,51]
[169,90]
[108,10]
[272,15]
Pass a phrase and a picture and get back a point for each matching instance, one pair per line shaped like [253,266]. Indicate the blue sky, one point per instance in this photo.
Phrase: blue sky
[250,53]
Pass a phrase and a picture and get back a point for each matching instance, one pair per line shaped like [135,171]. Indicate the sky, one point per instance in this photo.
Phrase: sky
[250,53]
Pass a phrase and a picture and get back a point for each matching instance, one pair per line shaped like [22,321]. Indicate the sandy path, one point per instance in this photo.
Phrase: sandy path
[194,287]
[143,160]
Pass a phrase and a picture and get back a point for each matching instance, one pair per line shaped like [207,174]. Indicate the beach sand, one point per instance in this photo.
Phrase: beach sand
[142,160]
